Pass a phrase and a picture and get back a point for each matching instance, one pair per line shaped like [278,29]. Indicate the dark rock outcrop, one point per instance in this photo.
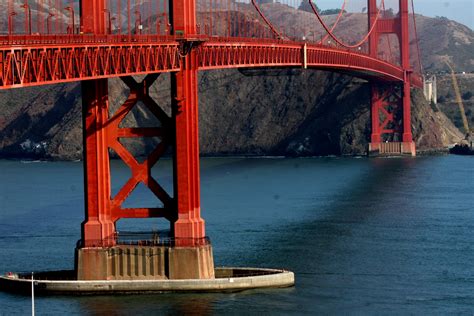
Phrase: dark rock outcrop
[266,112]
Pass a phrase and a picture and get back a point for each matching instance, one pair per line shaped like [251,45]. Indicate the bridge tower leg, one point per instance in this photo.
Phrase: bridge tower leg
[184,93]
[189,226]
[391,104]
[98,225]
[187,254]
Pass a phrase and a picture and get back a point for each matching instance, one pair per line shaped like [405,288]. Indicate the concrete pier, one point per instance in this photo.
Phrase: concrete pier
[392,149]
[226,280]
[136,262]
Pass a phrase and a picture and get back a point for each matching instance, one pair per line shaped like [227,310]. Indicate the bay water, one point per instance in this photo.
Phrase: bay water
[371,236]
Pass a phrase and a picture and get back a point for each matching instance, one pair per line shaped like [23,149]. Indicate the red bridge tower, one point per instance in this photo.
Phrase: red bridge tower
[391,104]
[188,254]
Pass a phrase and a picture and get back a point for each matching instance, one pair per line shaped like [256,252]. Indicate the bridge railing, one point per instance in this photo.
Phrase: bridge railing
[146,239]
[11,40]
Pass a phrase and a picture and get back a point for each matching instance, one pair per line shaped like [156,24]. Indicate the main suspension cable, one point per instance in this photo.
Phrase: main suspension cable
[274,30]
[337,21]
[315,11]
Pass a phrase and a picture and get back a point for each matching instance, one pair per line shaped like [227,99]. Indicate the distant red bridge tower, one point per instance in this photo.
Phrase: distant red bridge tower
[391,103]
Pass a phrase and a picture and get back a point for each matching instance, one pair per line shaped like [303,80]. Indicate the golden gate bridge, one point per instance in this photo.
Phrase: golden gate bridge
[55,41]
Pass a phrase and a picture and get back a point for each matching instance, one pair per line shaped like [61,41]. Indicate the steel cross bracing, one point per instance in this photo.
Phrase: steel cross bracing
[100,127]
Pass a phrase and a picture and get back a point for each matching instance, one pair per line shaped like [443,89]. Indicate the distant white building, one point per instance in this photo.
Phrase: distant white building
[430,89]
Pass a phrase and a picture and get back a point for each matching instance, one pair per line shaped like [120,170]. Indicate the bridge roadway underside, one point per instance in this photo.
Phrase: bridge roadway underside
[31,64]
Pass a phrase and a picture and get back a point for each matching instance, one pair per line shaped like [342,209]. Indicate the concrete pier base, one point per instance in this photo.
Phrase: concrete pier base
[135,262]
[226,280]
[392,149]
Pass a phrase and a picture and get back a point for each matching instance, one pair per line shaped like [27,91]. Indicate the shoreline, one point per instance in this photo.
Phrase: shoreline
[421,153]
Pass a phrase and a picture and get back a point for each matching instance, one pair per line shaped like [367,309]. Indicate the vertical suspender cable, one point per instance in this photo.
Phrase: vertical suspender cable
[150,11]
[119,16]
[227,4]
[165,17]
[416,37]
[389,42]
[210,18]
[129,27]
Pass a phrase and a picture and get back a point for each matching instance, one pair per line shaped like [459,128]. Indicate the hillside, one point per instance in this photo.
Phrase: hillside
[447,99]
[442,39]
[439,38]
[275,112]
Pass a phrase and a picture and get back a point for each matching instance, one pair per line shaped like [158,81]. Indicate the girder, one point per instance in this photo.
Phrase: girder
[32,65]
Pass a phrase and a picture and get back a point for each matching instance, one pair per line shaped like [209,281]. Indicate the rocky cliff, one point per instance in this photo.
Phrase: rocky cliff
[285,112]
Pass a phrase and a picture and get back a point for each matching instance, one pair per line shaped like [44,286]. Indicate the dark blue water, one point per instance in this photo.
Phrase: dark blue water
[362,235]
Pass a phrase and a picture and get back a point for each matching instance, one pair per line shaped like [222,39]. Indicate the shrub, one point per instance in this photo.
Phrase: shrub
[467,96]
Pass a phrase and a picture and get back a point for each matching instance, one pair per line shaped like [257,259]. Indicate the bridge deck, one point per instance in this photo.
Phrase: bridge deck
[31,61]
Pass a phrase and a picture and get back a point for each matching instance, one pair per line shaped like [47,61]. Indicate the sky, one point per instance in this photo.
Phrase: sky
[459,10]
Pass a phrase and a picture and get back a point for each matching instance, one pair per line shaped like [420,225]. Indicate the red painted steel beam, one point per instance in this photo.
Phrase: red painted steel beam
[388,26]
[103,133]
[93,17]
[141,171]
[404,38]
[186,158]
[184,93]
[98,224]
[407,132]
[183,17]
[32,66]
[376,104]
[374,37]
[386,103]
[404,35]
